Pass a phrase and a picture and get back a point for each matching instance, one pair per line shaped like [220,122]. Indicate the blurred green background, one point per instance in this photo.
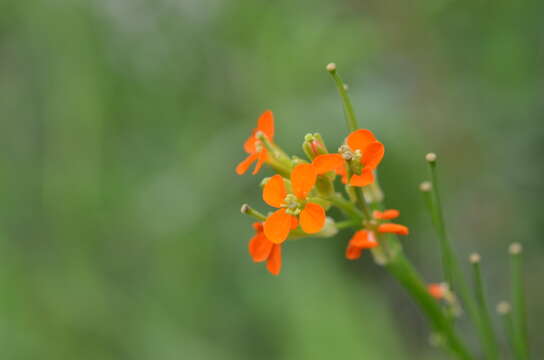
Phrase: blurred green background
[122,122]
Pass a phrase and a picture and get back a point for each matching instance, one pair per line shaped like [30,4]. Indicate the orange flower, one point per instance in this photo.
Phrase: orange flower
[390,227]
[293,206]
[363,152]
[262,249]
[437,291]
[366,239]
[253,146]
[361,240]
[386,214]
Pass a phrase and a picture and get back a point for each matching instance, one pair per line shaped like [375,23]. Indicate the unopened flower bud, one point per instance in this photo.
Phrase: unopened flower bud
[314,146]
[425,186]
[474,258]
[379,256]
[503,308]
[430,157]
[331,67]
[329,229]
[515,248]
[244,209]
[373,193]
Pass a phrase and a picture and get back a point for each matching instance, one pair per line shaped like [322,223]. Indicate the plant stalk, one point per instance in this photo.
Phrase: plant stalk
[519,316]
[406,275]
[491,346]
[351,120]
[452,271]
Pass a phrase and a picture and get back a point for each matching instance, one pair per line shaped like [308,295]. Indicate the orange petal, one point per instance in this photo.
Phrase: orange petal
[258,226]
[436,290]
[260,161]
[328,162]
[386,215]
[373,155]
[343,173]
[249,145]
[260,247]
[393,228]
[294,223]
[353,252]
[277,226]
[312,218]
[366,178]
[363,239]
[360,139]
[274,191]
[274,261]
[303,179]
[266,124]
[244,165]
[359,238]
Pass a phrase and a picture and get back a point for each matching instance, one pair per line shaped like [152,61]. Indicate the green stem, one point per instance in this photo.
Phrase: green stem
[407,276]
[491,346]
[519,316]
[448,257]
[340,225]
[248,210]
[351,120]
[346,206]
[452,271]
[278,159]
[362,202]
[397,264]
[508,323]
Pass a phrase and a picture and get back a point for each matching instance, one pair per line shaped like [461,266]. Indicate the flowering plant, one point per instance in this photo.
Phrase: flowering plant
[303,190]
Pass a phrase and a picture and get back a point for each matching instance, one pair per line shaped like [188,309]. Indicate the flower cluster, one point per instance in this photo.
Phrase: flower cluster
[302,191]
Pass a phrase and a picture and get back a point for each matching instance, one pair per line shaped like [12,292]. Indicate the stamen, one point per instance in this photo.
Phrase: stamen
[346,152]
[291,202]
[357,154]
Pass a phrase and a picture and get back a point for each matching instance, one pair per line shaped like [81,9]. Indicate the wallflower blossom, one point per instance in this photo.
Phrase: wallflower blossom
[253,146]
[366,239]
[362,152]
[294,206]
[362,239]
[389,227]
[261,249]
[438,291]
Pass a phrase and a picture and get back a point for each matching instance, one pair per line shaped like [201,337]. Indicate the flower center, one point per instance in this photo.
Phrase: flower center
[352,157]
[292,204]
[258,145]
[348,154]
